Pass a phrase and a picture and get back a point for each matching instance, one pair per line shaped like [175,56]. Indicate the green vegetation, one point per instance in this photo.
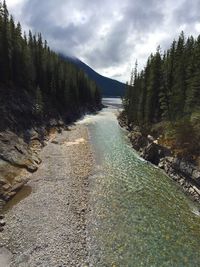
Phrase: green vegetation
[109,87]
[165,95]
[28,66]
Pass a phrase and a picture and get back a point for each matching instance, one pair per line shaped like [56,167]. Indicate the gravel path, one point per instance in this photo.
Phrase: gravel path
[48,228]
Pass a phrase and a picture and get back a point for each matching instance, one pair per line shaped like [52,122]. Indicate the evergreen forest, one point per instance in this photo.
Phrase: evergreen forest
[164,98]
[31,72]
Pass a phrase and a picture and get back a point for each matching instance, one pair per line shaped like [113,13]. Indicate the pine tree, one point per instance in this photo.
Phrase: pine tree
[29,66]
[5,45]
[169,86]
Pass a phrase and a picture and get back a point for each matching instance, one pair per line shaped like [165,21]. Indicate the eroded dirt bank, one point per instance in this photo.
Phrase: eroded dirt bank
[48,227]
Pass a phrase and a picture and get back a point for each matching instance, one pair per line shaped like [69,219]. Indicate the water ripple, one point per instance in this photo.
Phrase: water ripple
[139,216]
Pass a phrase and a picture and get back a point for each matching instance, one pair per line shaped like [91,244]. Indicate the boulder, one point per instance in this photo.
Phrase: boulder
[154,153]
[196,175]
[3,181]
[138,141]
[150,138]
[31,167]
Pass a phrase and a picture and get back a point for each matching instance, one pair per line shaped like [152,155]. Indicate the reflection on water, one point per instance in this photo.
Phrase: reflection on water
[139,216]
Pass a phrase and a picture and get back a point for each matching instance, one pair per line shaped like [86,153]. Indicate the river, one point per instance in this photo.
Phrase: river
[139,216]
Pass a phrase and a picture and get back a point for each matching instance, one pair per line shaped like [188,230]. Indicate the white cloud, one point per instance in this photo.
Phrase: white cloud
[15,6]
[12,3]
[197,27]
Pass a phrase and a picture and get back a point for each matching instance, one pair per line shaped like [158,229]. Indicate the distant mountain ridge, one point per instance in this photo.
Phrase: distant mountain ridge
[109,87]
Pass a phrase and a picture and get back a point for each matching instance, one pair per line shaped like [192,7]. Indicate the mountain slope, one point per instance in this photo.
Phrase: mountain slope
[109,87]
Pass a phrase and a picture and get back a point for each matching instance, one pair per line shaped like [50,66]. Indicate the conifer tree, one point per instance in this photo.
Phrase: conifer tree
[29,65]
[168,88]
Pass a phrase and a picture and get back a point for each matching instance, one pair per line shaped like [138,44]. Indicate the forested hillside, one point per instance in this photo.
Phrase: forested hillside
[108,87]
[164,98]
[35,82]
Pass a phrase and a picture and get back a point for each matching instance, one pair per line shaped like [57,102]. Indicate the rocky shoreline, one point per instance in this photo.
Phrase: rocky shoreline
[185,173]
[24,131]
[19,156]
[48,228]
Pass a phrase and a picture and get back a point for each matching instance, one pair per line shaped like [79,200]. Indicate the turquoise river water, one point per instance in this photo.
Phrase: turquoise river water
[139,216]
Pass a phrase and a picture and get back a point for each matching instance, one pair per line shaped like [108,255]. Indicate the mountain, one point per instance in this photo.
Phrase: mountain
[109,87]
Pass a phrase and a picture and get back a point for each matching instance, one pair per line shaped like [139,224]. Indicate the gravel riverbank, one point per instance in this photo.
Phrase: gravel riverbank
[48,227]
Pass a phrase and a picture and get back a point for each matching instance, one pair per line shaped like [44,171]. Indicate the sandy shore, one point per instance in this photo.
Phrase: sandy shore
[48,227]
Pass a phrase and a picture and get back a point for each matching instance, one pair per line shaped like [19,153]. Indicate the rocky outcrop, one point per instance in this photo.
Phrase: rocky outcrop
[147,146]
[15,151]
[185,173]
[18,157]
[22,136]
[187,169]
[154,152]
[137,139]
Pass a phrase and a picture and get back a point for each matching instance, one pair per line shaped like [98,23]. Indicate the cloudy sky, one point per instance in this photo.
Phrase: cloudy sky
[108,35]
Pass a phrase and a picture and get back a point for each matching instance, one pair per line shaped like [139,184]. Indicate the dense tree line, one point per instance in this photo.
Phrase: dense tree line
[27,63]
[168,88]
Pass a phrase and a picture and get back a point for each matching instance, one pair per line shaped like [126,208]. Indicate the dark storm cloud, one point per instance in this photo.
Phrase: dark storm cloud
[107,34]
